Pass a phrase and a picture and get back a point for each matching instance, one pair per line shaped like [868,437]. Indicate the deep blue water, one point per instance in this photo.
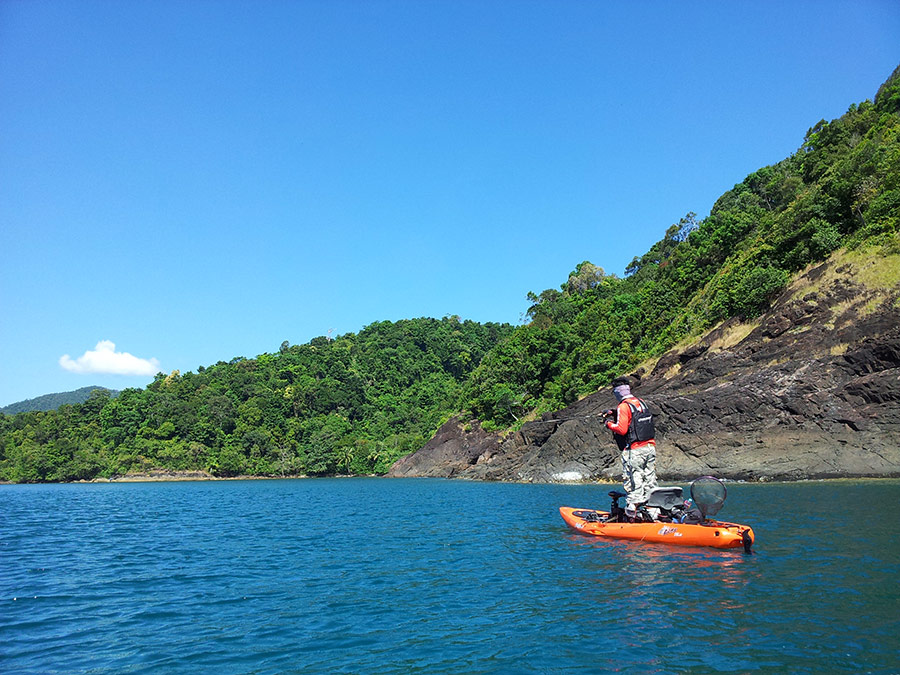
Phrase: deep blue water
[435,576]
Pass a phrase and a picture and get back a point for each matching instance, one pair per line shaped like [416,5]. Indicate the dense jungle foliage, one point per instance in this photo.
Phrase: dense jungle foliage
[841,188]
[357,403]
[354,404]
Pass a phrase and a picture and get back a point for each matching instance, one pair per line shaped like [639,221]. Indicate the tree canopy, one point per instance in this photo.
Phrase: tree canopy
[354,404]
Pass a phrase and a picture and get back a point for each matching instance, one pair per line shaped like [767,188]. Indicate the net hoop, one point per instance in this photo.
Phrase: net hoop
[709,494]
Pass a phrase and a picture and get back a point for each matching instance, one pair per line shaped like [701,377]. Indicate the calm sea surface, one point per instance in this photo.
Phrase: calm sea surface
[435,576]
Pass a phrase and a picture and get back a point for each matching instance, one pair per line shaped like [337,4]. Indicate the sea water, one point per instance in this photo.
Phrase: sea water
[437,576]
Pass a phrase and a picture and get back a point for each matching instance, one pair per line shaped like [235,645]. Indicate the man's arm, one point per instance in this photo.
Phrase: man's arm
[623,420]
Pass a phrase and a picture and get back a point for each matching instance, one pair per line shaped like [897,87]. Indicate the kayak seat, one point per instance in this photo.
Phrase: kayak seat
[665,498]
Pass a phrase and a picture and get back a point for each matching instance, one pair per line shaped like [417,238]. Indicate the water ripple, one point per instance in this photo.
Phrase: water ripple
[394,576]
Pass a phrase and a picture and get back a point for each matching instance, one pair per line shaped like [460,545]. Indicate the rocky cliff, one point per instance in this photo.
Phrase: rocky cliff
[811,389]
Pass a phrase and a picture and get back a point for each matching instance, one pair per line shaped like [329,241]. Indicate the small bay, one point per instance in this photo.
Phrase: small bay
[369,575]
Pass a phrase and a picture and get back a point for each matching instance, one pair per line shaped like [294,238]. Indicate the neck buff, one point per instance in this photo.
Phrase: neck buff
[621,392]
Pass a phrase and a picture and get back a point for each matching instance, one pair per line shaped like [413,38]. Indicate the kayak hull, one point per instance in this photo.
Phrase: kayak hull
[713,533]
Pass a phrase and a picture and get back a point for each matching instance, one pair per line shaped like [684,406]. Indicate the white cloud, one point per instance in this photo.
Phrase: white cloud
[105,359]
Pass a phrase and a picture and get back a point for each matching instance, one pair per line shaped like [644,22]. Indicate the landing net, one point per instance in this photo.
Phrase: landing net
[708,494]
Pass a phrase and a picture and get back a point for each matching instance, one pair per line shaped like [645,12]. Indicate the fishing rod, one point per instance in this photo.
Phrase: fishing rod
[605,414]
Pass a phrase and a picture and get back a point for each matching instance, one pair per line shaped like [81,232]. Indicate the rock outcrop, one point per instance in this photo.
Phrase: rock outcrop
[810,390]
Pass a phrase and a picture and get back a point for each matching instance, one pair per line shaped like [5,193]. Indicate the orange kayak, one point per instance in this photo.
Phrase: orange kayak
[709,533]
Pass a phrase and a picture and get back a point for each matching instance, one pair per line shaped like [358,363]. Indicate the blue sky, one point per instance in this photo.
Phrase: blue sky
[185,182]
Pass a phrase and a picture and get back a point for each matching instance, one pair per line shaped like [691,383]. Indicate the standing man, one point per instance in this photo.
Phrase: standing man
[634,434]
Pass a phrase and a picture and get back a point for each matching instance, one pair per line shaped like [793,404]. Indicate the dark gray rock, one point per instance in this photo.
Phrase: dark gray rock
[454,449]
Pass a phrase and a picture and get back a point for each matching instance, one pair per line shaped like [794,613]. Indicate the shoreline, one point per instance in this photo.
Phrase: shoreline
[164,476]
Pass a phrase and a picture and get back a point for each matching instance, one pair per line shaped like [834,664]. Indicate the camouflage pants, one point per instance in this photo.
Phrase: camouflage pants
[638,474]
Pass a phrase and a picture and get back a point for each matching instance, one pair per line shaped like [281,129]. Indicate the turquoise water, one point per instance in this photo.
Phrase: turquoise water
[434,576]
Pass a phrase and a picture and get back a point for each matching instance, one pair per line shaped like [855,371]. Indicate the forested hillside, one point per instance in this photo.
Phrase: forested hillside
[349,405]
[53,401]
[841,188]
[359,402]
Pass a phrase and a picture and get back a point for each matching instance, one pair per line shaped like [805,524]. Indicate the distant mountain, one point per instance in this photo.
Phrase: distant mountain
[53,401]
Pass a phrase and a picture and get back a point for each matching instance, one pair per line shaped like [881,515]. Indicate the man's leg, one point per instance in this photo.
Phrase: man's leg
[628,482]
[643,474]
